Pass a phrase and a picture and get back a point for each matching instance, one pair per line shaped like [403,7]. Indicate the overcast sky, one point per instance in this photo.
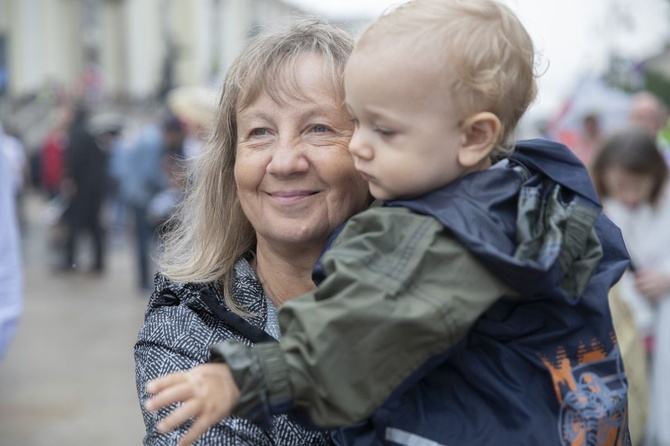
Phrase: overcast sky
[572,37]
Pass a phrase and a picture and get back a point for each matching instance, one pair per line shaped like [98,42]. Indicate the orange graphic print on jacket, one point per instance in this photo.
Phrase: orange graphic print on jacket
[592,395]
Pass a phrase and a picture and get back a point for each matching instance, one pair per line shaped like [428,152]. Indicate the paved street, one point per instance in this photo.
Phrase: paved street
[68,379]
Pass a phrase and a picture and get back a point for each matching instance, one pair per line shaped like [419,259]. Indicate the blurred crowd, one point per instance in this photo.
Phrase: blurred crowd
[108,177]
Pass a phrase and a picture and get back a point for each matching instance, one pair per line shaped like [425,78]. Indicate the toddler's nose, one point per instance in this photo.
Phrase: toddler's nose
[359,146]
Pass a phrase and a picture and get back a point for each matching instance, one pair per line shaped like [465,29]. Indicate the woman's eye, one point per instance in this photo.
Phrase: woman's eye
[319,129]
[258,132]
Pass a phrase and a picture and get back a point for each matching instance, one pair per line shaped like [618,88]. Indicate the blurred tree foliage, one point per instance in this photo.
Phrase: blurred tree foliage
[658,84]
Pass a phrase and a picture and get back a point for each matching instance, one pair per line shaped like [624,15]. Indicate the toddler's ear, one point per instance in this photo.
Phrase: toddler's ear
[480,134]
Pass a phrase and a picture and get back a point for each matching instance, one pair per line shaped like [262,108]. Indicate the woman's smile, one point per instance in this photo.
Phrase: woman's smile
[290,197]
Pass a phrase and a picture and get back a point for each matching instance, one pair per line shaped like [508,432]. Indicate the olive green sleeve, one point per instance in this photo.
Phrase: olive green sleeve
[398,291]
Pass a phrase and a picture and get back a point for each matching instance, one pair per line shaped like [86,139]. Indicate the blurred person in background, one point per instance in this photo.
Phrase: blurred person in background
[196,109]
[19,169]
[108,128]
[175,139]
[11,279]
[631,177]
[141,176]
[53,153]
[589,138]
[629,339]
[163,204]
[649,113]
[84,184]
[174,162]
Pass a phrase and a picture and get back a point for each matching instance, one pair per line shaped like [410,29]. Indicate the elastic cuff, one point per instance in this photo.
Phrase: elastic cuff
[276,373]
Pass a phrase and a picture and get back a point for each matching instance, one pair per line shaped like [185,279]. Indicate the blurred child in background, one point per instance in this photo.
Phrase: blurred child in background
[631,176]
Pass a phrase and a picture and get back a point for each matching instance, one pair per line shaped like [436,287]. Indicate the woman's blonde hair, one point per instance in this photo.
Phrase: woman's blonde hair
[209,229]
[485,52]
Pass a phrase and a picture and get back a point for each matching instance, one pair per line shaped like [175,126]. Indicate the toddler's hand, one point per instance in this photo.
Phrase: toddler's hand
[207,392]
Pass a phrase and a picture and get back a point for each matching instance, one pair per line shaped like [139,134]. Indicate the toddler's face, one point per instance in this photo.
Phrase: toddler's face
[407,132]
[629,188]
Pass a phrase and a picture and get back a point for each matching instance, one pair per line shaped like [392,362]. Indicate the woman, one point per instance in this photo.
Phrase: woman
[265,194]
[631,176]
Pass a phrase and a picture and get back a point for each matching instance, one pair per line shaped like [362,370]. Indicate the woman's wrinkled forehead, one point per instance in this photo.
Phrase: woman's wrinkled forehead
[280,82]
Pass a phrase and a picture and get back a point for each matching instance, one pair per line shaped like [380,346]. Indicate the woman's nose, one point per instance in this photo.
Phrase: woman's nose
[359,147]
[288,157]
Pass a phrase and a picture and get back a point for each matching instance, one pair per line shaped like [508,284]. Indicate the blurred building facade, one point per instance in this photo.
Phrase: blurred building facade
[124,49]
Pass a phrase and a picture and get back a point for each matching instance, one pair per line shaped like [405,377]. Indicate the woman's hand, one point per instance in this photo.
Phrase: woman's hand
[207,392]
[652,284]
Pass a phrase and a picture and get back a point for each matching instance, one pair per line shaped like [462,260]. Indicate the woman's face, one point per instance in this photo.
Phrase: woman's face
[295,178]
[631,189]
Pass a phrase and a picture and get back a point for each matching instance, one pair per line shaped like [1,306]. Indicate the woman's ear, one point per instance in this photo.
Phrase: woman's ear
[480,135]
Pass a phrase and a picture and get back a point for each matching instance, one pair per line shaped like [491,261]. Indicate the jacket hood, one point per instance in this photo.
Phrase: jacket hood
[533,219]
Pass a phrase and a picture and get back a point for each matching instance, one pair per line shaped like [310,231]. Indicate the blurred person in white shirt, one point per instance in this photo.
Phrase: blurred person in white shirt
[11,279]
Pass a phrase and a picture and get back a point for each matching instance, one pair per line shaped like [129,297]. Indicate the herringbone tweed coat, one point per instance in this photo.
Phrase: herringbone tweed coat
[177,332]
